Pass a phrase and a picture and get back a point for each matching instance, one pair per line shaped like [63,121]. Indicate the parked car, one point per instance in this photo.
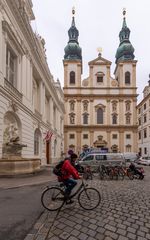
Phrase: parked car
[96,159]
[130,156]
[144,161]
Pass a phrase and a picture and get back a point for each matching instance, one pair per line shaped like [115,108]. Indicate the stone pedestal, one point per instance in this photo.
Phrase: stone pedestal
[16,165]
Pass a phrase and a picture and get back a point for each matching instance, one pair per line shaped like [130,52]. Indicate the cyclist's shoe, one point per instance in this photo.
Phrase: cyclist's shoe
[69,201]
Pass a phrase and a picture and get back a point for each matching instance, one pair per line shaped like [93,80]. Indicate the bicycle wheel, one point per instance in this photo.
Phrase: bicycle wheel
[89,198]
[52,198]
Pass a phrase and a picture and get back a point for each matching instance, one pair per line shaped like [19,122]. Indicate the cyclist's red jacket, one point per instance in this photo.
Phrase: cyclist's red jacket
[68,171]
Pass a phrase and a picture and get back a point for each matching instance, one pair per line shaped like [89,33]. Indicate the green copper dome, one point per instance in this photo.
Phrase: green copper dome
[125,50]
[73,50]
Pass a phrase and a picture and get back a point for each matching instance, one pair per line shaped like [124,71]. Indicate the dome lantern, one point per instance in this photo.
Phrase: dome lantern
[125,50]
[73,50]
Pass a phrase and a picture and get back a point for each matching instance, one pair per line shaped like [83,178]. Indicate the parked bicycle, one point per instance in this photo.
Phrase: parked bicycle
[53,198]
[87,174]
[110,172]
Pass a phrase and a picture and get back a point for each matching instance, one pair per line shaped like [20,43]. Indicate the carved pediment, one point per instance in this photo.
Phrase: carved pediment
[100,61]
[100,105]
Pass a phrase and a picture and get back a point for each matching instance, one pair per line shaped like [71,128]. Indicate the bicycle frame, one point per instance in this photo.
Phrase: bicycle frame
[82,185]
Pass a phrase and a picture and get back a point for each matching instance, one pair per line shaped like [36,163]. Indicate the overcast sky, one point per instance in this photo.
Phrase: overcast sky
[99,23]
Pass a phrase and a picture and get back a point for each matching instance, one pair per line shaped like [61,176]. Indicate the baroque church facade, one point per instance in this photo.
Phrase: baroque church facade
[31,101]
[100,111]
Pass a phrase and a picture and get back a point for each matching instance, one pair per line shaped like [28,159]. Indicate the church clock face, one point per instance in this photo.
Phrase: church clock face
[114,83]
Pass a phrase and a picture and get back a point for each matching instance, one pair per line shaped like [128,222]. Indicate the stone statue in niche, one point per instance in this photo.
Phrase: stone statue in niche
[71,119]
[12,143]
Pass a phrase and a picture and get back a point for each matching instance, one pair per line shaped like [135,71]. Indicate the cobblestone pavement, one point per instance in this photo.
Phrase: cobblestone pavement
[124,213]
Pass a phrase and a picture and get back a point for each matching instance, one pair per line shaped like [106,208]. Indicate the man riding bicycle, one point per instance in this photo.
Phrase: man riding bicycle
[69,175]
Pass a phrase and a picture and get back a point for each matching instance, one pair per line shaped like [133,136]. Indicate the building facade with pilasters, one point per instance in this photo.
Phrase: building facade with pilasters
[31,101]
[100,110]
[143,114]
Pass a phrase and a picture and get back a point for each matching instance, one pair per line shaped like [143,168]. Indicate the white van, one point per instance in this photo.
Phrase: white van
[96,159]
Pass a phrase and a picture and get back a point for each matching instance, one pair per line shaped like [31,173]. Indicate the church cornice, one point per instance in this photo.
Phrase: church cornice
[100,127]
[99,96]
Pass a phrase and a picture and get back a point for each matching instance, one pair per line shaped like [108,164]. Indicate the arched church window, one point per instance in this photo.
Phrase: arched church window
[72,77]
[85,118]
[127,77]
[114,119]
[99,116]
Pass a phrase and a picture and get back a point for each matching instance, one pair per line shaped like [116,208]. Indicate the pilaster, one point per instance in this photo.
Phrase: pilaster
[121,112]
[91,112]
[108,75]
[121,77]
[78,111]
[78,79]
[2,50]
[134,74]
[51,111]
[65,75]
[121,141]
[108,111]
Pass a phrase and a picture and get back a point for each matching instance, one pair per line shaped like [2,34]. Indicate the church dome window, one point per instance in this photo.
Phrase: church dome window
[72,77]
[127,77]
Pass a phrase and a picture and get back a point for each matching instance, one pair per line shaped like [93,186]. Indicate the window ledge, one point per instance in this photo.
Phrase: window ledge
[12,89]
